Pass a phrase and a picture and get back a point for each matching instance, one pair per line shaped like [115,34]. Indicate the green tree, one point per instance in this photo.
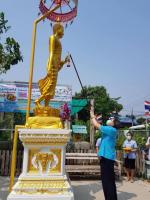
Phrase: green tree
[141,120]
[10,49]
[103,102]
[6,123]
[19,118]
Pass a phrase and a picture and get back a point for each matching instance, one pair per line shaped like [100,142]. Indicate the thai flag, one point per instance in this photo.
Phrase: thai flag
[147,108]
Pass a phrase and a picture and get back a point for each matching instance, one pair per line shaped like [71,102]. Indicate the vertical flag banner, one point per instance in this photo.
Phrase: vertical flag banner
[147,108]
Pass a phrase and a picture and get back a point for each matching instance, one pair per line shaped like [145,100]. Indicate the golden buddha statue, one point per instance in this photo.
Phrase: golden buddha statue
[46,116]
[54,64]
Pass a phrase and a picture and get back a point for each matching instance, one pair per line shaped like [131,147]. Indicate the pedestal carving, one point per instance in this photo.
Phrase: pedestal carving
[43,175]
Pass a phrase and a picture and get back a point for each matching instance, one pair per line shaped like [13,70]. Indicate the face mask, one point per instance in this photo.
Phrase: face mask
[129,137]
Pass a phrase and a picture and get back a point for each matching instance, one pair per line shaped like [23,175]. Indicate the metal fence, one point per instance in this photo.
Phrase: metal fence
[6,152]
[5,160]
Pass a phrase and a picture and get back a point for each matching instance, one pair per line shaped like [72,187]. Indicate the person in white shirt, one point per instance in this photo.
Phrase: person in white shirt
[98,143]
[148,146]
[129,156]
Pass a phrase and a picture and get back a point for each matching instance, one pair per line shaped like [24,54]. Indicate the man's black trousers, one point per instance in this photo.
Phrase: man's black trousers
[108,179]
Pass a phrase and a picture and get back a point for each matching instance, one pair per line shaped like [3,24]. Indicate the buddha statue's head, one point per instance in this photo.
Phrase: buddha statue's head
[58,30]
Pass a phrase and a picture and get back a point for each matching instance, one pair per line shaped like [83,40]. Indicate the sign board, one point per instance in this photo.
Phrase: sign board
[79,129]
[13,96]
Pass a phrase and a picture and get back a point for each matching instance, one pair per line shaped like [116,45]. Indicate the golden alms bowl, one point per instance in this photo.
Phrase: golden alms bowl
[127,149]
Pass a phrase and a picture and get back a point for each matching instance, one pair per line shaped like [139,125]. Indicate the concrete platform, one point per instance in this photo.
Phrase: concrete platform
[92,190]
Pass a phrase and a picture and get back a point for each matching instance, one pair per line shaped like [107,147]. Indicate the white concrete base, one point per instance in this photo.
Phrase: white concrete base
[14,196]
[34,193]
[43,176]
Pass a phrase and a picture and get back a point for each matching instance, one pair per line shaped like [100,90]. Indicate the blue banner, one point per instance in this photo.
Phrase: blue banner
[13,96]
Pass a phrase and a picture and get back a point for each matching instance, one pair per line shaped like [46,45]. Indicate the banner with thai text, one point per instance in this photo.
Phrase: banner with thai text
[13,96]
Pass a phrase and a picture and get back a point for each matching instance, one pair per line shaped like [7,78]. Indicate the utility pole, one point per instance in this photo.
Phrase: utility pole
[92,130]
[132,117]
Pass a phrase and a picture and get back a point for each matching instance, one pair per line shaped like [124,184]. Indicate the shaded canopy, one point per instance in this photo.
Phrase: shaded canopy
[77,105]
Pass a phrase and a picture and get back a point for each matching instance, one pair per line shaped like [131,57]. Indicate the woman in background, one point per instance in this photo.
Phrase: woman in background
[130,148]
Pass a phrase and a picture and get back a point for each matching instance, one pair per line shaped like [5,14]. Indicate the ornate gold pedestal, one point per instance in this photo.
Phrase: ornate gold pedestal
[44,122]
[45,117]
[43,175]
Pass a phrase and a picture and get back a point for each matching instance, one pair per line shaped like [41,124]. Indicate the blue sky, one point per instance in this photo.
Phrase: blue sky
[109,41]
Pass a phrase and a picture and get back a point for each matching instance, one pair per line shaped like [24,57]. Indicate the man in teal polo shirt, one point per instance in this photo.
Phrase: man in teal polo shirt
[107,154]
